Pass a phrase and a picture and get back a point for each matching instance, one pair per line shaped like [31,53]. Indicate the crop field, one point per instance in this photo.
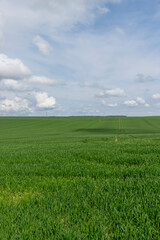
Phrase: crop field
[67,178]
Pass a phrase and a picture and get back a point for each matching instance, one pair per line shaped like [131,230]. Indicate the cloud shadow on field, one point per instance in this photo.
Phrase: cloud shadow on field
[116,131]
[98,130]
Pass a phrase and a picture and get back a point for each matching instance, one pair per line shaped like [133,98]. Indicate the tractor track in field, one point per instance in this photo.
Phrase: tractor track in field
[121,129]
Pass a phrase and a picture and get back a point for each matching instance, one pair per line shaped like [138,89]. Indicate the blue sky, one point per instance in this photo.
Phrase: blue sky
[81,57]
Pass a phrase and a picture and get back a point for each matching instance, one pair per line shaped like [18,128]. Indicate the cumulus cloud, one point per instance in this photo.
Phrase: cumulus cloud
[44,47]
[156,96]
[131,103]
[15,105]
[12,85]
[12,68]
[140,100]
[117,92]
[101,56]
[146,105]
[143,79]
[112,105]
[43,80]
[44,101]
[109,104]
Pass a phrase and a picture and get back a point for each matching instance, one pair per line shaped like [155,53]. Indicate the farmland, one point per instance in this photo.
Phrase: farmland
[66,178]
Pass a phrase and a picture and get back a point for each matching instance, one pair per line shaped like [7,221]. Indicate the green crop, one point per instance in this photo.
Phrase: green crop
[66,178]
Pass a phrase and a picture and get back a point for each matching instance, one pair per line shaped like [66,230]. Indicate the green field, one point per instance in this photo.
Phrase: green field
[65,178]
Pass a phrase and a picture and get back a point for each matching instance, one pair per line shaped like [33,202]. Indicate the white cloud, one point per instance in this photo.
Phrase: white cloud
[146,105]
[156,96]
[96,54]
[43,80]
[109,104]
[15,105]
[140,100]
[43,101]
[112,105]
[12,85]
[44,47]
[67,13]
[12,68]
[51,15]
[64,14]
[131,103]
[143,79]
[117,92]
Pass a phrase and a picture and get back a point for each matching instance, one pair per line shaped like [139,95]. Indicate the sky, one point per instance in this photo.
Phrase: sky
[79,57]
